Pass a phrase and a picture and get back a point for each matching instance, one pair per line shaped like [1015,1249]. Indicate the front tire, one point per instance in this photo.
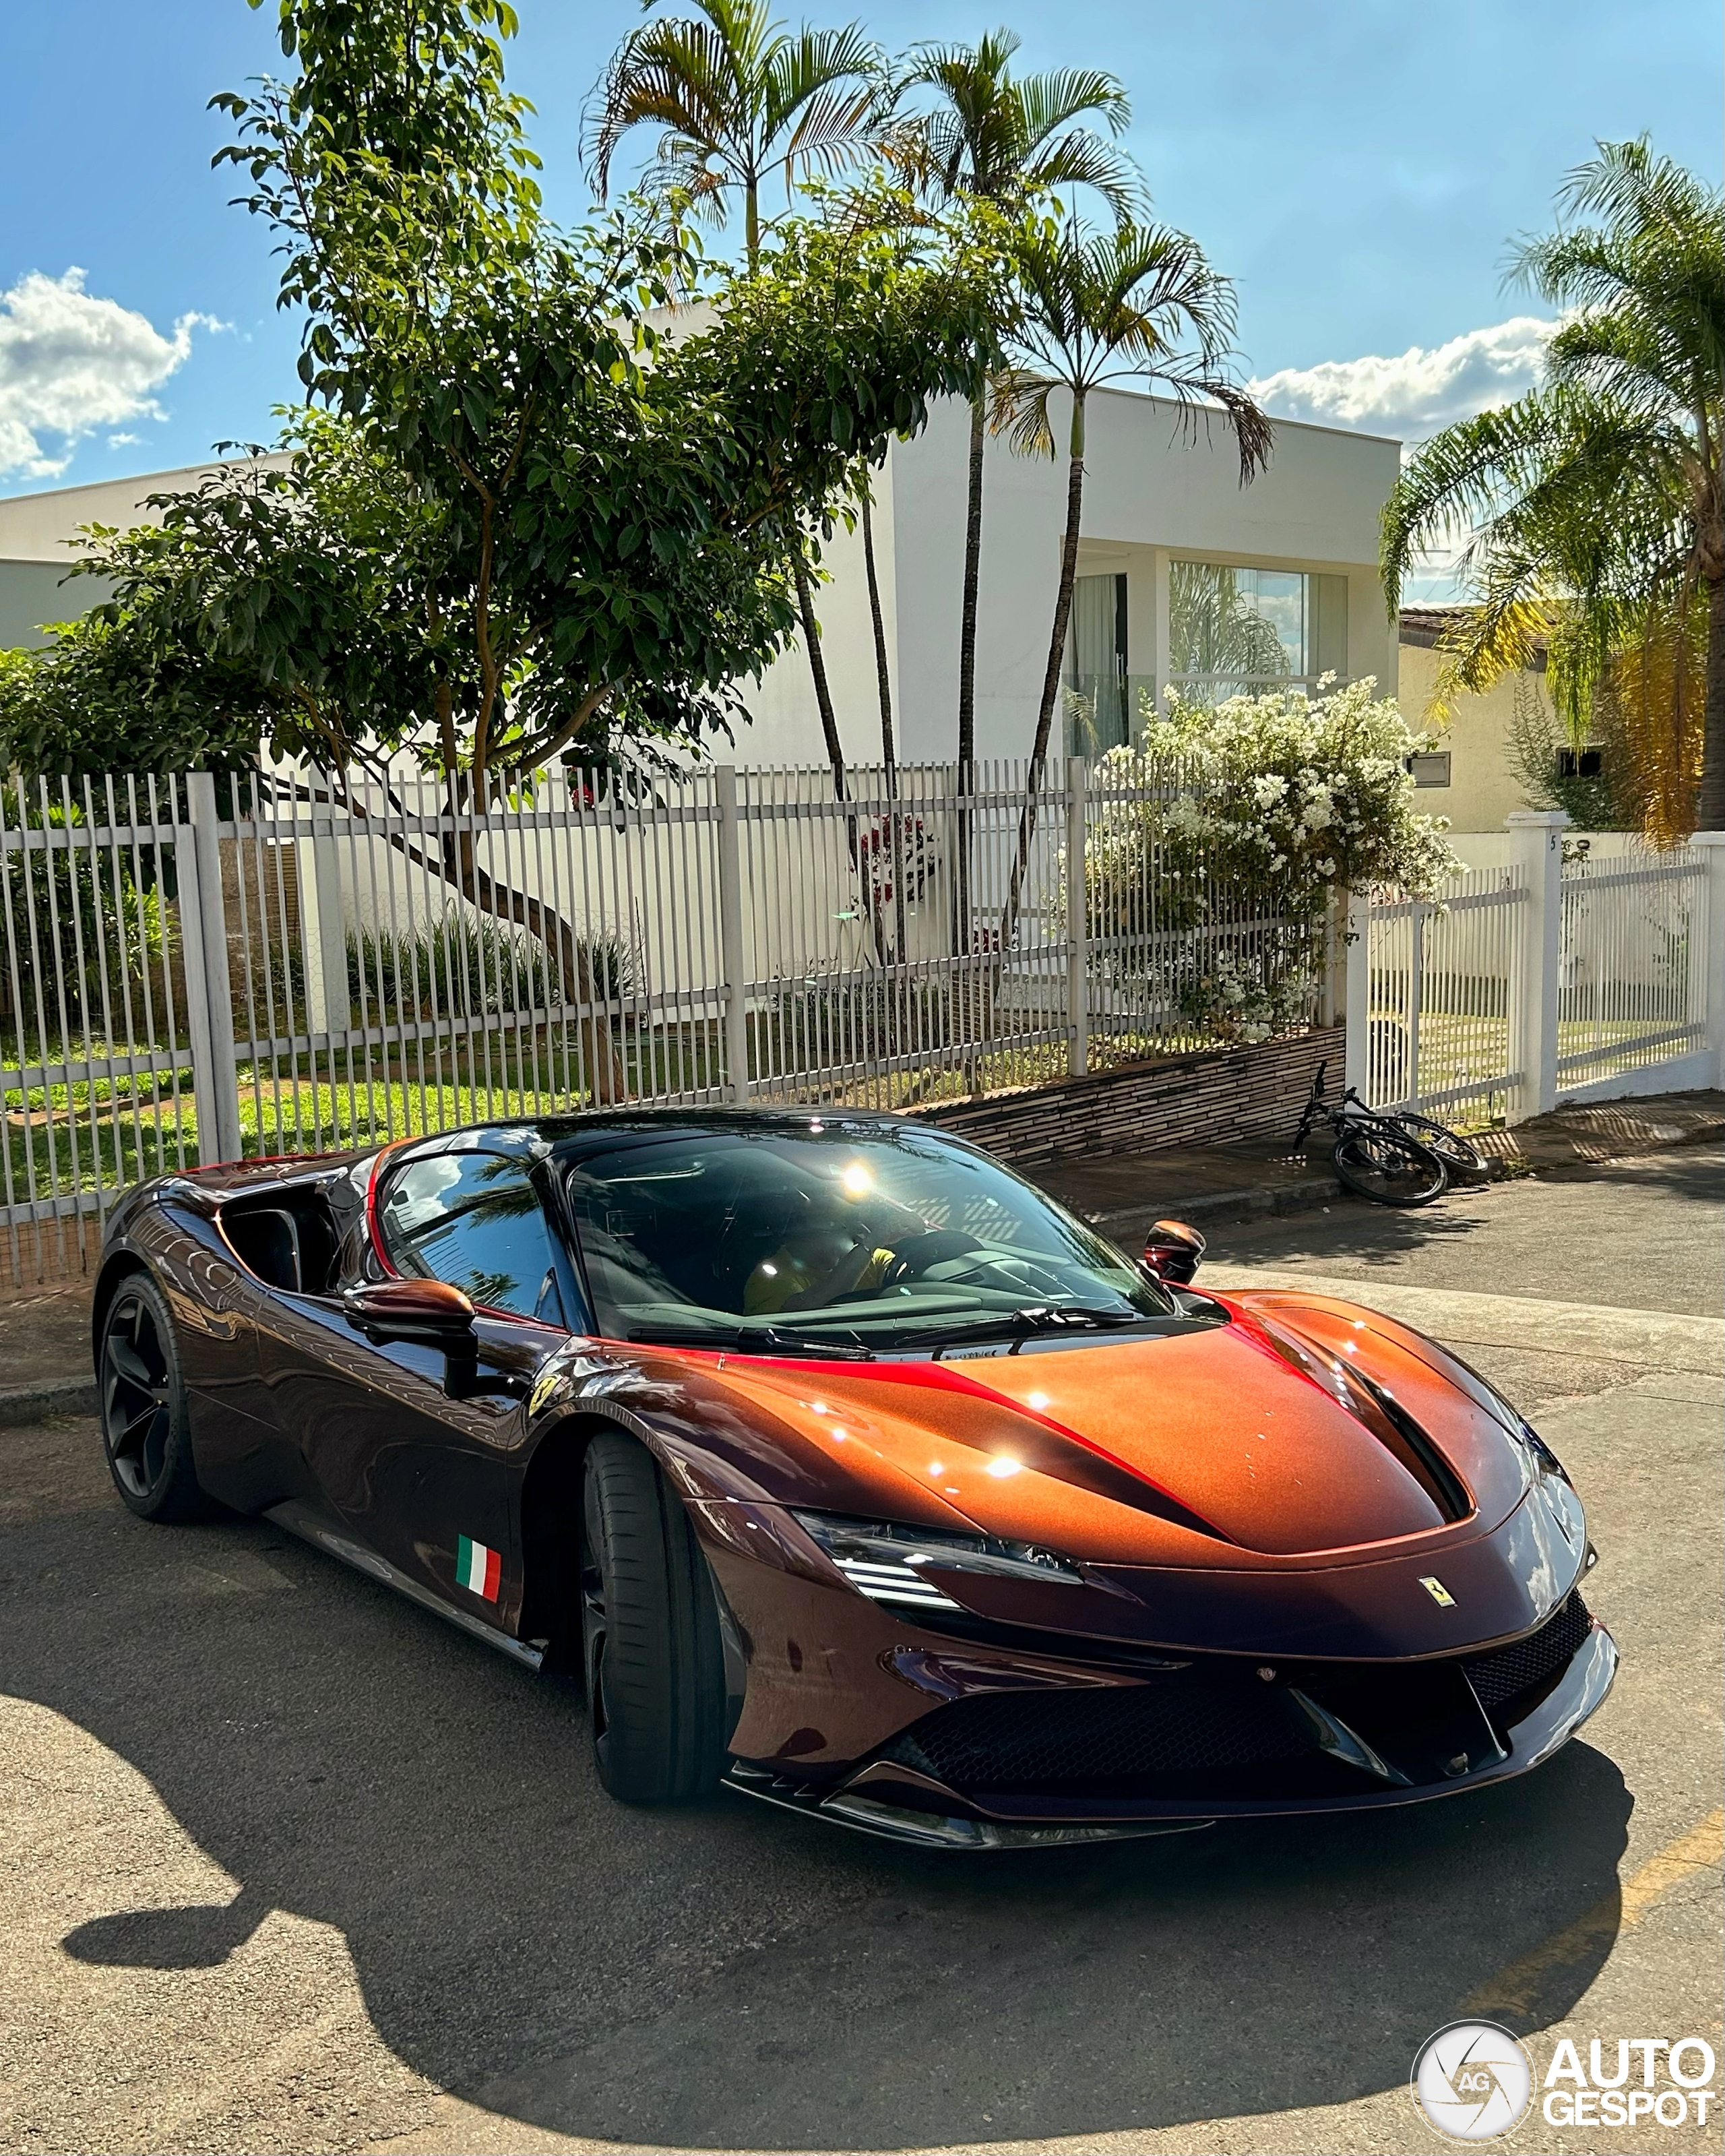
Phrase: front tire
[1381,1164]
[145,1432]
[650,1627]
[1460,1155]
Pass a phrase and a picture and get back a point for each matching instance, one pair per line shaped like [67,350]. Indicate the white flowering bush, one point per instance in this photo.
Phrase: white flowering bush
[1233,822]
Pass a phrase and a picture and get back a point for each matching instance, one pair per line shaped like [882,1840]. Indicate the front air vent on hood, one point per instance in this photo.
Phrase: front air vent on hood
[1377,1409]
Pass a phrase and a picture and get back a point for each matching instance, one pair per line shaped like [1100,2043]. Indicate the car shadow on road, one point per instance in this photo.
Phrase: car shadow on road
[730,1977]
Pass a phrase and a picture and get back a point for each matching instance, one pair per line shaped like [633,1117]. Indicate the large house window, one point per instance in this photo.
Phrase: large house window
[1244,630]
[1097,715]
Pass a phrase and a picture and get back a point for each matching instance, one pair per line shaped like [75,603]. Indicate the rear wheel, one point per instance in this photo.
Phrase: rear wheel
[145,1430]
[1381,1164]
[650,1627]
[1460,1155]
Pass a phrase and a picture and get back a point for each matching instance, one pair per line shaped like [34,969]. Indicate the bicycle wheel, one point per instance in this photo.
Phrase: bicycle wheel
[1463,1158]
[1377,1161]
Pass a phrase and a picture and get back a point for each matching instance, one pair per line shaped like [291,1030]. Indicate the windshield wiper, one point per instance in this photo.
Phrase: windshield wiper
[1050,1317]
[769,1340]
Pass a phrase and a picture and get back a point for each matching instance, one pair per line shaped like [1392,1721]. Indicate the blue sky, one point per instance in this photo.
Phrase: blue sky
[1357,166]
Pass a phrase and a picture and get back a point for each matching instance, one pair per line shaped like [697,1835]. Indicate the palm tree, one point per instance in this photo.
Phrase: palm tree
[1002,138]
[1595,504]
[1139,302]
[741,99]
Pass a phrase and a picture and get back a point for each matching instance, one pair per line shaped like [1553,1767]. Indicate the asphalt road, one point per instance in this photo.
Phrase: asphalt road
[286,1864]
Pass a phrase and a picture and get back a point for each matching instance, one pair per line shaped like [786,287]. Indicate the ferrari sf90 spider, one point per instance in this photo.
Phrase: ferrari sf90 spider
[845,1469]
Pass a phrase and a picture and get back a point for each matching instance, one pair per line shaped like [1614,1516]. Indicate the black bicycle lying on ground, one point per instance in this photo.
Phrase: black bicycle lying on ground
[1398,1158]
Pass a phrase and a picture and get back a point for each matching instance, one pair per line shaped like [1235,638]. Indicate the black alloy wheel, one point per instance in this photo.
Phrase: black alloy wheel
[144,1431]
[1460,1155]
[1379,1162]
[650,1647]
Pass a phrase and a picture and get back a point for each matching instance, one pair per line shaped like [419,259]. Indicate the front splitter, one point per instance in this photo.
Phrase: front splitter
[1578,1694]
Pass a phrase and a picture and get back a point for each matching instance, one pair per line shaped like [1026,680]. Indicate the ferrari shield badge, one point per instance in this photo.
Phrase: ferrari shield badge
[544,1386]
[1439,1593]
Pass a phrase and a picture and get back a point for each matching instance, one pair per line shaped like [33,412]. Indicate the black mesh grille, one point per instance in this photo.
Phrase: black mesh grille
[1533,1661]
[1143,1740]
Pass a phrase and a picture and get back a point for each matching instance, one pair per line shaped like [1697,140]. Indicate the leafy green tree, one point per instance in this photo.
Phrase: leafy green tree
[527,529]
[992,136]
[1595,506]
[1139,302]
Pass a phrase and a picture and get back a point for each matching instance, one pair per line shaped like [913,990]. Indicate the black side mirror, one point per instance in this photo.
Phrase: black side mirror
[1172,1251]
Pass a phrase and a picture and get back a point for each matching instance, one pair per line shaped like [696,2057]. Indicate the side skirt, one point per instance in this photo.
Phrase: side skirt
[305,1521]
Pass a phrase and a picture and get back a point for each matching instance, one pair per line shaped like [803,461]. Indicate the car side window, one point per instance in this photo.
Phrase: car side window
[474,1220]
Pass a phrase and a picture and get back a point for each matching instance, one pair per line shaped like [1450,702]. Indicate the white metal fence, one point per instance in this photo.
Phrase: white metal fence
[198,967]
[1569,967]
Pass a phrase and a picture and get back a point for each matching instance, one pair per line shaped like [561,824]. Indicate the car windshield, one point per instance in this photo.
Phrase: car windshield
[853,1238]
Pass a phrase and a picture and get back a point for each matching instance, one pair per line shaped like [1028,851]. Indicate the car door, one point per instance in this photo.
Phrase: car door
[423,1479]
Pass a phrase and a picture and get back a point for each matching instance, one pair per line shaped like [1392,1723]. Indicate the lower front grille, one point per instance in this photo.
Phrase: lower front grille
[1538,1661]
[1154,1740]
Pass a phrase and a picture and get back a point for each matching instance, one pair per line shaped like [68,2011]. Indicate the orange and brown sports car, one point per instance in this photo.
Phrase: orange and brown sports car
[847,1470]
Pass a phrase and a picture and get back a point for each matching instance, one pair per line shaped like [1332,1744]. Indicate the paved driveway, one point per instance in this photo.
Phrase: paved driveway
[285,1864]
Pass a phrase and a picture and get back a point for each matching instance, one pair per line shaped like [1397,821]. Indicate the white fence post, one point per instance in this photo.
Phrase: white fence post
[203,935]
[731,963]
[1357,1002]
[1711,846]
[1534,978]
[1077,921]
[324,930]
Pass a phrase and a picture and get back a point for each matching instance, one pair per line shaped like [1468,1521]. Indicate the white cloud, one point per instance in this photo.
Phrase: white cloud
[70,363]
[1421,390]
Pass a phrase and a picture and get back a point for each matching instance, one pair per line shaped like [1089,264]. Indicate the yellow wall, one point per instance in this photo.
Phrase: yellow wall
[1484,783]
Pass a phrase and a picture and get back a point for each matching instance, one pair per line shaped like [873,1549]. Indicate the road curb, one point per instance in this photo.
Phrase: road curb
[28,1404]
[1257,1202]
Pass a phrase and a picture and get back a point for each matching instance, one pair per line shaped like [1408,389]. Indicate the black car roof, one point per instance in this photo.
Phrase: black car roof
[574,1135]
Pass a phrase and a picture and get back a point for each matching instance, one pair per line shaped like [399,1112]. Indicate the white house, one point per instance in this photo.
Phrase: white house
[39,535]
[1177,562]
[1184,576]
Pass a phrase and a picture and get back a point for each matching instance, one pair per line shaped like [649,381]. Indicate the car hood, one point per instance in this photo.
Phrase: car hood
[1301,1431]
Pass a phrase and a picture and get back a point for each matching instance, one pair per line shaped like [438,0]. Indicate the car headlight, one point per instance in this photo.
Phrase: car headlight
[889,1562]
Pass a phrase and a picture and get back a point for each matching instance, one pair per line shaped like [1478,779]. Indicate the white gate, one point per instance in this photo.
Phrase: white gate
[1571,966]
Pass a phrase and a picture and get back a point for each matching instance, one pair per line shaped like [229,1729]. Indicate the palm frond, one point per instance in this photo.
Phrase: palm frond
[1048,102]
[1018,407]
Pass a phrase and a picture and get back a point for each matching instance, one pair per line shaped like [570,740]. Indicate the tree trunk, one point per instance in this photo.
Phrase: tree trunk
[454,859]
[1710,804]
[883,680]
[883,677]
[572,955]
[818,669]
[1051,677]
[835,750]
[972,580]
[966,670]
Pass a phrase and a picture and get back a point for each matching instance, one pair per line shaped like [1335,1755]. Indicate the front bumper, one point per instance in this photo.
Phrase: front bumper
[1368,1749]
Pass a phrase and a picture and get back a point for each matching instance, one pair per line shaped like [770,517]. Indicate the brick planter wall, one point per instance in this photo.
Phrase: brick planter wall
[1221,1096]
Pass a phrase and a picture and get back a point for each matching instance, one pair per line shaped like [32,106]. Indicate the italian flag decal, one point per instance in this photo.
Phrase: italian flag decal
[478,1568]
